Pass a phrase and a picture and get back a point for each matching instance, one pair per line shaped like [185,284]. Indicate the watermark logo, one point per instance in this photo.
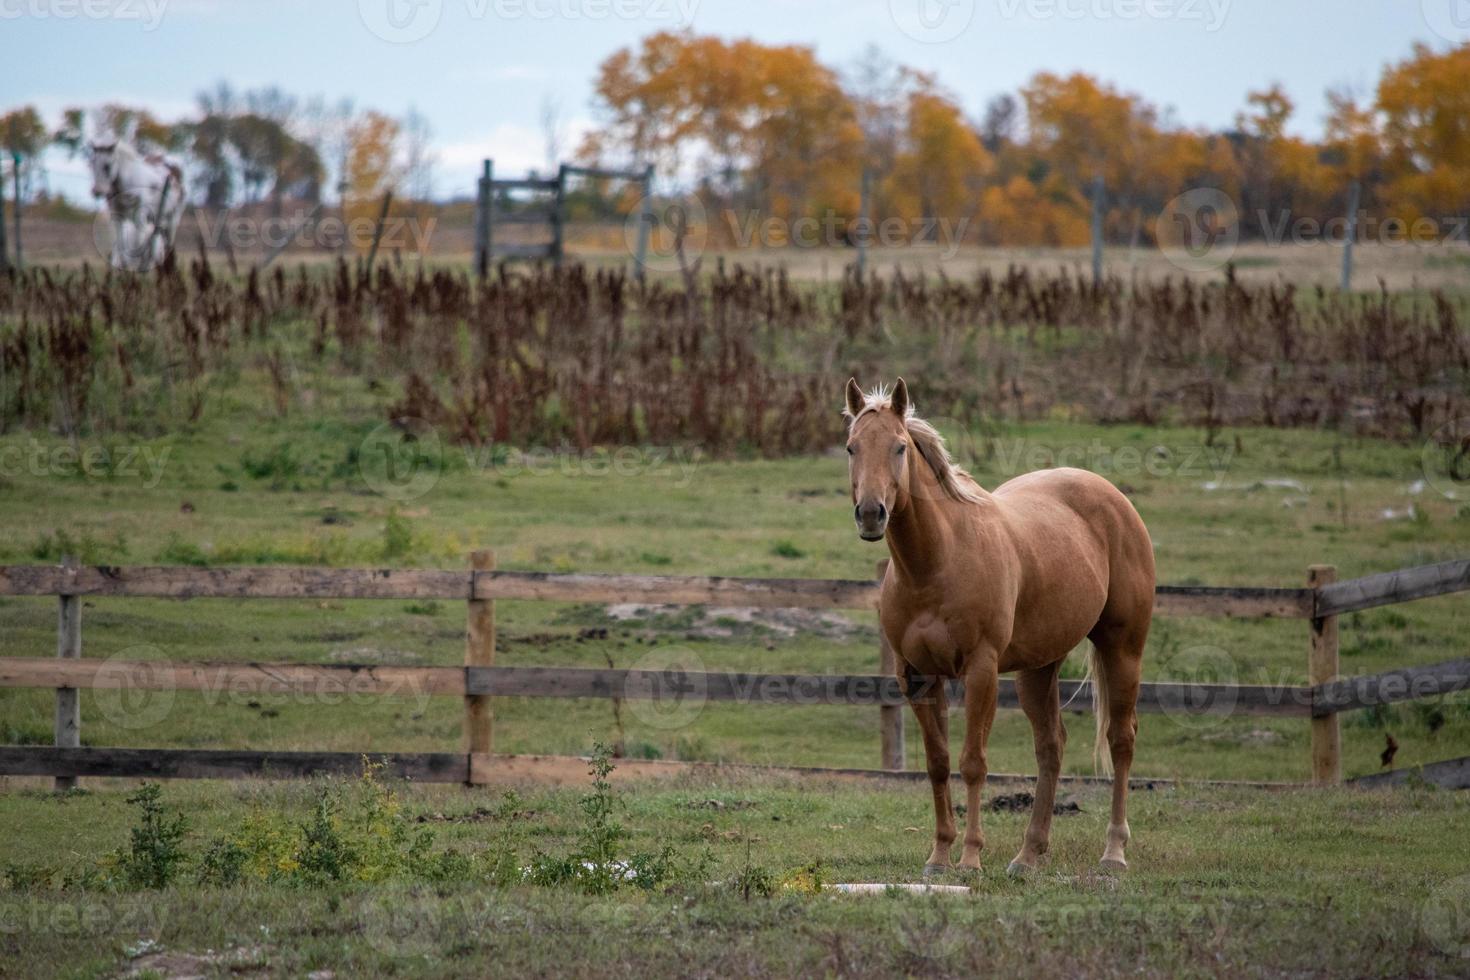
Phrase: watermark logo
[134,688]
[408,21]
[931,934]
[932,21]
[1450,19]
[148,13]
[671,233]
[401,460]
[403,924]
[1210,13]
[401,21]
[666,688]
[1445,459]
[1199,230]
[1445,919]
[1200,690]
[145,464]
[751,229]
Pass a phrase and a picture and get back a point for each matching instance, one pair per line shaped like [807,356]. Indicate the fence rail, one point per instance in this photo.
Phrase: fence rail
[384,583]
[479,681]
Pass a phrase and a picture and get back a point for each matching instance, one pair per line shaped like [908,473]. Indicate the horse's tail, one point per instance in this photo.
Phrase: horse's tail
[1102,759]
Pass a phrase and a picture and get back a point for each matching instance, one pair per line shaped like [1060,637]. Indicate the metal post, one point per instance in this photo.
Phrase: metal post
[1322,667]
[4,252]
[1350,235]
[558,218]
[483,219]
[890,717]
[479,651]
[15,169]
[68,647]
[378,231]
[864,203]
[645,224]
[1098,191]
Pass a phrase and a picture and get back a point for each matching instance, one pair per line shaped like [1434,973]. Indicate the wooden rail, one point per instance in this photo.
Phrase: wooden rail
[857,690]
[383,583]
[480,680]
[1391,588]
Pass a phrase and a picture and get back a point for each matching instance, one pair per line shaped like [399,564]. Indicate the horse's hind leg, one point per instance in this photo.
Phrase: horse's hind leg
[1117,666]
[1037,691]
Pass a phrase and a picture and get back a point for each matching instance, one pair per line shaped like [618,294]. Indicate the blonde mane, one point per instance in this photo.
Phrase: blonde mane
[956,483]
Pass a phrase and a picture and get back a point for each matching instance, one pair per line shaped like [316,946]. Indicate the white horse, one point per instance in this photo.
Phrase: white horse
[145,196]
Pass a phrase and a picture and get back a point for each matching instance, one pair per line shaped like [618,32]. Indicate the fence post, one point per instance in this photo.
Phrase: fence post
[1350,235]
[890,717]
[68,646]
[378,230]
[4,250]
[479,651]
[645,224]
[1321,668]
[1098,193]
[865,203]
[484,220]
[15,168]
[558,216]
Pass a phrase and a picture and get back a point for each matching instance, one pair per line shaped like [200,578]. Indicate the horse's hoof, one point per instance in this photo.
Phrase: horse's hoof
[930,870]
[1018,870]
[1115,865]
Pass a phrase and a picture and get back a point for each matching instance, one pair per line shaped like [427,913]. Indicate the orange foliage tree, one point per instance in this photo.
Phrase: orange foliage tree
[374,168]
[1425,103]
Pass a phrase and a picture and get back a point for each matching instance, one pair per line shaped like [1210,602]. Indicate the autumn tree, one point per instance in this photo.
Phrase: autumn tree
[22,138]
[767,126]
[374,166]
[941,165]
[1425,105]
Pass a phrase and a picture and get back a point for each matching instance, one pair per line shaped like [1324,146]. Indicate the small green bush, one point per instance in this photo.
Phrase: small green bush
[155,852]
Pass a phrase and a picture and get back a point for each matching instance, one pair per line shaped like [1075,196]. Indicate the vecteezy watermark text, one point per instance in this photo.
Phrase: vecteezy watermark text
[407,21]
[1210,13]
[149,13]
[145,463]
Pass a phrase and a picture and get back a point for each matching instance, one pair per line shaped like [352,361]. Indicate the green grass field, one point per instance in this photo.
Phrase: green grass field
[1255,509]
[1224,882]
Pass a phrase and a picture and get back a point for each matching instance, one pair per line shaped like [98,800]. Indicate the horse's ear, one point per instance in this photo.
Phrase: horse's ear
[901,398]
[854,398]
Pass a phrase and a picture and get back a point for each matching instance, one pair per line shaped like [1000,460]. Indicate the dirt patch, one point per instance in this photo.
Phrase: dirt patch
[170,965]
[372,655]
[1256,736]
[1022,802]
[719,805]
[726,622]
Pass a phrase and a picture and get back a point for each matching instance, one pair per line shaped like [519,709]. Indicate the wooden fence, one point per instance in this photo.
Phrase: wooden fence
[550,213]
[479,681]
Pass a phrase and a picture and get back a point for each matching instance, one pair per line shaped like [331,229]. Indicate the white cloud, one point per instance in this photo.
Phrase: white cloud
[516,149]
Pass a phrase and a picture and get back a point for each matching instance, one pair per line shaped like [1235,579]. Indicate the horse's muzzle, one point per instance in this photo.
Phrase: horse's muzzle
[872,520]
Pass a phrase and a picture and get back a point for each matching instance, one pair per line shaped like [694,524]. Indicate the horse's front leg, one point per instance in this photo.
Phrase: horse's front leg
[931,708]
[982,680]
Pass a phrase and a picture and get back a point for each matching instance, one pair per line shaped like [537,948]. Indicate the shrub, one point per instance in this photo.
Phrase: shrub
[155,850]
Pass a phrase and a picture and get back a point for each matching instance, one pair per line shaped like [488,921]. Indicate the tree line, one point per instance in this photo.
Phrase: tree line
[770,129]
[258,146]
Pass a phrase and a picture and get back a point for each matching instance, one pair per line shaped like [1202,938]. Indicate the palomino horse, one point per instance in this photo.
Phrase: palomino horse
[145,198]
[984,583]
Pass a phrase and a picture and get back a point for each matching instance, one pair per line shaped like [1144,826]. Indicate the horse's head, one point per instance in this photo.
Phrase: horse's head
[104,165]
[878,446]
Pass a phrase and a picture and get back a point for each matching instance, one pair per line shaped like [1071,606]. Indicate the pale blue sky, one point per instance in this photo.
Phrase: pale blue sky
[482,68]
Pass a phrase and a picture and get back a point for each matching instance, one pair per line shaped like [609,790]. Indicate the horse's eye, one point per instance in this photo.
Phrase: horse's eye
[901,448]
[850,450]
